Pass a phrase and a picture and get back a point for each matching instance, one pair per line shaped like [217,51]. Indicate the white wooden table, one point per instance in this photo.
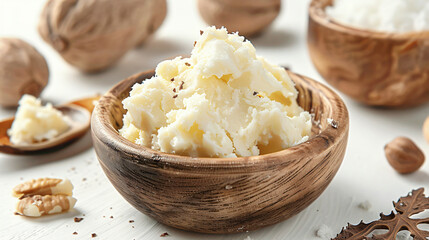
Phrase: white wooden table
[364,175]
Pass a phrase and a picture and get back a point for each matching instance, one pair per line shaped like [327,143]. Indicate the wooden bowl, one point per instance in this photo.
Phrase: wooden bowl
[375,68]
[222,195]
[248,17]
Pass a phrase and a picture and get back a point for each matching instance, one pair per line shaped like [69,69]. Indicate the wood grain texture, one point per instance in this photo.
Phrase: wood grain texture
[375,68]
[222,195]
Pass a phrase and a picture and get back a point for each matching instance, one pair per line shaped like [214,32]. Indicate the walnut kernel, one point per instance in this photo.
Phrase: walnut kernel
[44,196]
[37,205]
[44,186]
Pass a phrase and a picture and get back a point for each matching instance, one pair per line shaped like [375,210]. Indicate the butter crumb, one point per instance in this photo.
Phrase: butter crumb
[365,205]
[324,232]
[332,122]
[404,235]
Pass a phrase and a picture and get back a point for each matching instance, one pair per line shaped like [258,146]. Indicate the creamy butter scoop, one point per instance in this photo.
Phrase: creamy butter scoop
[223,101]
[78,114]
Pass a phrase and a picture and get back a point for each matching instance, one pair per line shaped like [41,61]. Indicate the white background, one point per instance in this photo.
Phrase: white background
[364,175]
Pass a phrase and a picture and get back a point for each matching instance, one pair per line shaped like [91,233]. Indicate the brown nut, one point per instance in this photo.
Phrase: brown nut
[426,129]
[37,205]
[94,34]
[403,155]
[44,186]
[248,17]
[23,70]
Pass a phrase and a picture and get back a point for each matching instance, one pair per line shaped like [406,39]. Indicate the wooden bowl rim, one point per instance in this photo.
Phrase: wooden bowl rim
[317,13]
[106,133]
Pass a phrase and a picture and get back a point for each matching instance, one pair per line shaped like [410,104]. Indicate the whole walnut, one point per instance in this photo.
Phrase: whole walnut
[94,34]
[404,155]
[248,17]
[23,70]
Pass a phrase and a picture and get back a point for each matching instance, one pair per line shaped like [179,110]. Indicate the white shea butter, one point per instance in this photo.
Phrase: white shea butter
[223,101]
[382,15]
[35,123]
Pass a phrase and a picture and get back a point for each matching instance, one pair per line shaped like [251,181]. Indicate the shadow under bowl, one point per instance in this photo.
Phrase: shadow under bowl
[223,195]
[374,68]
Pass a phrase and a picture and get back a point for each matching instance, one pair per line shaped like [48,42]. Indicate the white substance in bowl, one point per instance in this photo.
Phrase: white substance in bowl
[382,15]
[223,101]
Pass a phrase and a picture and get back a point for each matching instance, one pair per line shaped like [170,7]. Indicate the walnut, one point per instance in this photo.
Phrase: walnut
[44,186]
[248,17]
[23,70]
[38,205]
[44,196]
[94,34]
[404,155]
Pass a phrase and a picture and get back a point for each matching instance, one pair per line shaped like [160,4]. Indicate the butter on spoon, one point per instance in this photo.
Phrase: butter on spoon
[79,115]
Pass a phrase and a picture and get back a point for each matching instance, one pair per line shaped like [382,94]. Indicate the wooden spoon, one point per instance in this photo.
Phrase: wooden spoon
[78,111]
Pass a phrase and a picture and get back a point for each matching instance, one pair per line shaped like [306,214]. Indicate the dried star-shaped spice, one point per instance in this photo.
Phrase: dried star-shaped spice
[405,207]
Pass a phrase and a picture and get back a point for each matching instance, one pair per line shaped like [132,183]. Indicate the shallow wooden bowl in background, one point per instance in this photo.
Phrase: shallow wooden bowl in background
[375,68]
[222,195]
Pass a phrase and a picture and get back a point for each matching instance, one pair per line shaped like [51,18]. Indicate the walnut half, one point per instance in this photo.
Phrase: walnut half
[44,196]
[38,205]
[44,186]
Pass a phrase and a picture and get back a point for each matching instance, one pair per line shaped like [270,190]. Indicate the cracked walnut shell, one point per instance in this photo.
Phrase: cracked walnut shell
[23,70]
[94,34]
